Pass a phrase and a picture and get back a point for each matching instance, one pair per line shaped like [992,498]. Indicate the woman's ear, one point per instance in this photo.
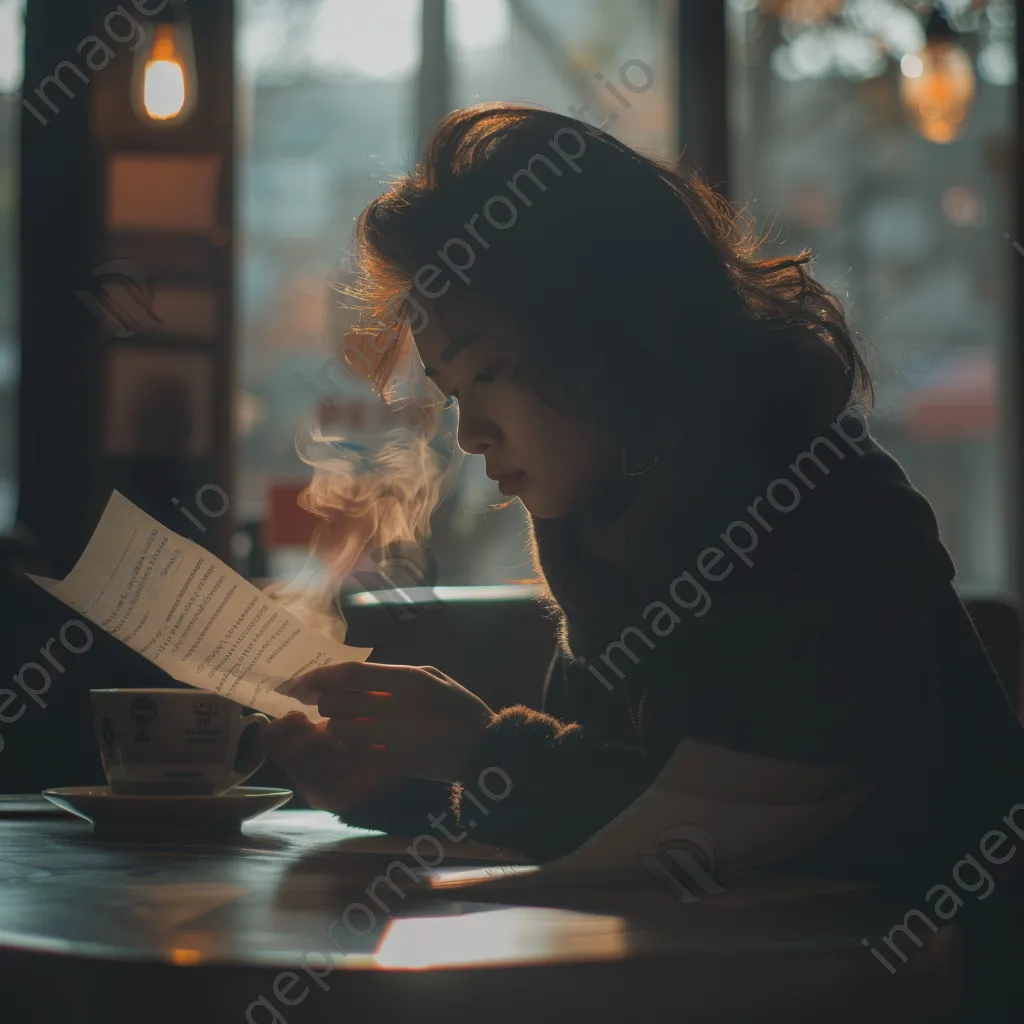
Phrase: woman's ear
[641,446]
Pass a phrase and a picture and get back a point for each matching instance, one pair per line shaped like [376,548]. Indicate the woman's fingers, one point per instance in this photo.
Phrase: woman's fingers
[303,749]
[364,732]
[351,675]
[371,732]
[302,746]
[387,732]
[436,673]
[331,773]
[350,689]
[355,704]
[282,730]
[358,675]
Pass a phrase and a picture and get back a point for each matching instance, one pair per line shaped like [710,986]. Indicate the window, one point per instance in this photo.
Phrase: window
[11,50]
[842,144]
[609,62]
[328,94]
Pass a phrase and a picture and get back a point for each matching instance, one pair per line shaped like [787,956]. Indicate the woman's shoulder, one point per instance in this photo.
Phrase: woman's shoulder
[799,663]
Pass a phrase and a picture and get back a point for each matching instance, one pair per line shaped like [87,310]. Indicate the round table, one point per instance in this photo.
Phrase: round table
[267,927]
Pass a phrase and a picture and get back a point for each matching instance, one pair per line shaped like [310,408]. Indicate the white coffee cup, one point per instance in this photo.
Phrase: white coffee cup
[174,742]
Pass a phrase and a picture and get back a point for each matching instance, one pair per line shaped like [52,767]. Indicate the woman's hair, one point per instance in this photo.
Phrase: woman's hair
[638,287]
[638,290]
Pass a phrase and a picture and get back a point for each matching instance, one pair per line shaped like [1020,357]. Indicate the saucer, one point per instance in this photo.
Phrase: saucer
[110,811]
[27,805]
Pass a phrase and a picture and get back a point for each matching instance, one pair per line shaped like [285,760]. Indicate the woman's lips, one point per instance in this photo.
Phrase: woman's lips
[508,483]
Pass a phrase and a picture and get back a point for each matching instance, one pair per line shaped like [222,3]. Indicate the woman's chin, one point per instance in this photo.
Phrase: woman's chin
[541,509]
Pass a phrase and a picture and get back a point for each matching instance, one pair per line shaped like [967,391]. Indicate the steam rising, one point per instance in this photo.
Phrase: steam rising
[373,490]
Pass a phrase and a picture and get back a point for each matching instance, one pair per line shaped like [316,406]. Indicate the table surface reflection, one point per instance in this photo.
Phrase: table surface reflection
[298,889]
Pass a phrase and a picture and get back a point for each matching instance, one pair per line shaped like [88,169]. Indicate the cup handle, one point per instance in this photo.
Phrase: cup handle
[248,759]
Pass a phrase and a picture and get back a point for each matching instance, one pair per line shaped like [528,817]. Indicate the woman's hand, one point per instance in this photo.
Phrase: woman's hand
[418,721]
[330,776]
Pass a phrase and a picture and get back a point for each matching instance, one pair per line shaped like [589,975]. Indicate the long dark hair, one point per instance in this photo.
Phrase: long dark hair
[624,271]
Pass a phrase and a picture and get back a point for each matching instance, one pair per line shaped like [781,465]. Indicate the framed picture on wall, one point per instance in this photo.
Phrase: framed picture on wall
[159,403]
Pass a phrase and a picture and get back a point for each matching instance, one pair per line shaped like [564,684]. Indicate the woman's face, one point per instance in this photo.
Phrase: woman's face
[550,459]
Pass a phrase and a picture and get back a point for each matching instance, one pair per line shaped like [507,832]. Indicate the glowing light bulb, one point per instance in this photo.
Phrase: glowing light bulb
[938,85]
[164,90]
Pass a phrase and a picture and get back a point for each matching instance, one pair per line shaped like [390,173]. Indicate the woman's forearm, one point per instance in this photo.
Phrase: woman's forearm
[557,783]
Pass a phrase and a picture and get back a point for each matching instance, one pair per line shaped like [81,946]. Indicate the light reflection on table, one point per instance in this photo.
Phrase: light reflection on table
[511,936]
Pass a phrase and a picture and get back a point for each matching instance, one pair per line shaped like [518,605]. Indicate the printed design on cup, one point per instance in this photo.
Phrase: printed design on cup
[207,730]
[142,711]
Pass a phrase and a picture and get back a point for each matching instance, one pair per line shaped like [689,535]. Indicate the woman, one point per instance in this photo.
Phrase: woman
[730,556]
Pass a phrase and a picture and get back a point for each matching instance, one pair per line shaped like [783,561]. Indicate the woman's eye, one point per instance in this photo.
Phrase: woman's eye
[485,376]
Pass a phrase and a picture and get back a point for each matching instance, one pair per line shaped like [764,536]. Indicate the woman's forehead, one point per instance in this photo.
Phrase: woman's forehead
[450,327]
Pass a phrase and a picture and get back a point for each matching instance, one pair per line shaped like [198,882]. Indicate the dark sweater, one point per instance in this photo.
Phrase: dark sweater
[843,643]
